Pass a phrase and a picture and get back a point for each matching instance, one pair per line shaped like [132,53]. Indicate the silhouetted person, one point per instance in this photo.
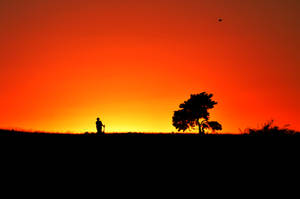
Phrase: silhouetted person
[99,126]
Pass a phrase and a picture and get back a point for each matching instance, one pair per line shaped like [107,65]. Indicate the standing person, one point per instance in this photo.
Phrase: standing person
[99,126]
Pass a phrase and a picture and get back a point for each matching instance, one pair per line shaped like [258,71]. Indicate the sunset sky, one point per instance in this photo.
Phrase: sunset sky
[63,63]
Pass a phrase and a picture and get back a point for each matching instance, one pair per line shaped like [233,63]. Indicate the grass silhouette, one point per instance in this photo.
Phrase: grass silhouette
[268,129]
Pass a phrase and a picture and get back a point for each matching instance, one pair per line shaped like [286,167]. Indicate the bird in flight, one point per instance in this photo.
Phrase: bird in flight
[220,20]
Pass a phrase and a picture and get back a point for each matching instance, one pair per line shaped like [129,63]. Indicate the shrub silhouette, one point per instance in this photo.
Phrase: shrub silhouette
[194,112]
[270,129]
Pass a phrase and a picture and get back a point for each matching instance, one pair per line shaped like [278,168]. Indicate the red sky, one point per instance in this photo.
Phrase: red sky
[132,62]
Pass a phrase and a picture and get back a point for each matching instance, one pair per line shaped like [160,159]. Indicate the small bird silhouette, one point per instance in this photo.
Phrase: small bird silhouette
[220,19]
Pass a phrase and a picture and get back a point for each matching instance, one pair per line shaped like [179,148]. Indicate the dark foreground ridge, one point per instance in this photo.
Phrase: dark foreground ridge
[143,145]
[13,133]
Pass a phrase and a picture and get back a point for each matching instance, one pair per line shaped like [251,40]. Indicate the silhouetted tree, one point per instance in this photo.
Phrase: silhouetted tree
[194,112]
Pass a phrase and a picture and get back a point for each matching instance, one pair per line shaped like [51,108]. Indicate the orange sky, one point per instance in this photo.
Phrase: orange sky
[132,62]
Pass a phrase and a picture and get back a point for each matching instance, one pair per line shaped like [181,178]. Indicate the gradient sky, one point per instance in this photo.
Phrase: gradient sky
[132,62]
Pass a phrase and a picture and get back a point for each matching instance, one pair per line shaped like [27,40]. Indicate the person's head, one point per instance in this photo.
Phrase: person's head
[98,119]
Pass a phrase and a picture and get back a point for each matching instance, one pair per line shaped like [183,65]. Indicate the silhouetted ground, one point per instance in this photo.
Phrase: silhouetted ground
[13,133]
[127,147]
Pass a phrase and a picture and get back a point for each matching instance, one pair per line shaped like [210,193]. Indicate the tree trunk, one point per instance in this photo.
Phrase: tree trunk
[201,131]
